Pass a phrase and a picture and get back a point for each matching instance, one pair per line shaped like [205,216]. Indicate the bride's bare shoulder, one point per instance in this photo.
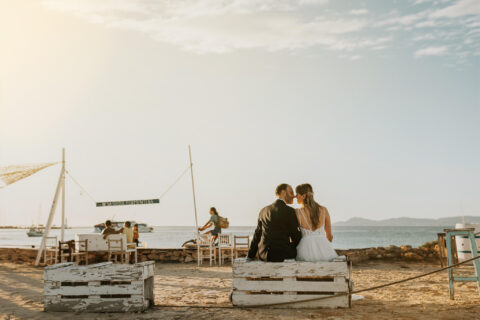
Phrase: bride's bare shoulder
[322,208]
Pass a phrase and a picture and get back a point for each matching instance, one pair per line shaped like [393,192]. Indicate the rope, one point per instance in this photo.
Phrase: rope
[175,182]
[371,288]
[192,306]
[164,193]
[80,186]
[326,297]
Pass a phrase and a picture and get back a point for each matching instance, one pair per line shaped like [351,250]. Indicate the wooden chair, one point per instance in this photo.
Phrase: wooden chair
[131,248]
[50,254]
[81,252]
[241,244]
[442,249]
[224,245]
[65,250]
[119,248]
[205,245]
[116,250]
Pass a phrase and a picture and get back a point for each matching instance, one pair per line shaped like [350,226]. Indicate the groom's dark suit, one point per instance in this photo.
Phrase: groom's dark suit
[277,234]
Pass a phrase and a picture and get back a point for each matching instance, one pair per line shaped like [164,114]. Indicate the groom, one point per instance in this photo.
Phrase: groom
[277,234]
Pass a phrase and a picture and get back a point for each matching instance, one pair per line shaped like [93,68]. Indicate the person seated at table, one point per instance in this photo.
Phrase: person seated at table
[128,232]
[109,229]
[136,235]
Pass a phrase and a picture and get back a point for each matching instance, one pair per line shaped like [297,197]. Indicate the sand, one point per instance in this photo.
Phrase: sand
[181,288]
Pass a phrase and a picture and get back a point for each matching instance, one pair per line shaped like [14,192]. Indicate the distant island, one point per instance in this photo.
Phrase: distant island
[407,222]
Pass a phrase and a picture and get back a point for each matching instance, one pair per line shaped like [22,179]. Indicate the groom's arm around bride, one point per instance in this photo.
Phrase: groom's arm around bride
[277,234]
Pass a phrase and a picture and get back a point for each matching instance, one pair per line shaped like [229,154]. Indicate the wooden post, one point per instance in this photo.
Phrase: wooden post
[441,248]
[63,196]
[450,263]
[193,189]
[50,216]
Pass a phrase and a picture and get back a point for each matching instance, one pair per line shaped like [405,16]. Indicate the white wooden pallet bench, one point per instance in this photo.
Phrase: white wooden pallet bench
[287,284]
[102,287]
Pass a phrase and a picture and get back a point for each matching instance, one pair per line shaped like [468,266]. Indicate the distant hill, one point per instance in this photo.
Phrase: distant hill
[407,222]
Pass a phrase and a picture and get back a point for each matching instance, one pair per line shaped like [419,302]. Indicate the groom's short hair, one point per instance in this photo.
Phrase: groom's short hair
[280,188]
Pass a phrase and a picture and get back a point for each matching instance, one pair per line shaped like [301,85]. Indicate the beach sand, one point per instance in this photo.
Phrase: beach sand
[181,288]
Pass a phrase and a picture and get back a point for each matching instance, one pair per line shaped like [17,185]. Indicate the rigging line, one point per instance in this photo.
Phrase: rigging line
[175,182]
[80,186]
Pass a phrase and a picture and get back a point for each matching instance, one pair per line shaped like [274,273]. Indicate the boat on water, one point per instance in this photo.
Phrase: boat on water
[142,227]
[35,231]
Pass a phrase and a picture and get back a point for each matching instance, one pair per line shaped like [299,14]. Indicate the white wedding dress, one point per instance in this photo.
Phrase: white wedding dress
[314,245]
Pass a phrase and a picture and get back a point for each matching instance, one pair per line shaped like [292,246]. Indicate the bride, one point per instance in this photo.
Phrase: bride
[314,221]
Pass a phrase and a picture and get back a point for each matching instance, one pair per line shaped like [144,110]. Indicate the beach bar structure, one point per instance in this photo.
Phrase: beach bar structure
[102,287]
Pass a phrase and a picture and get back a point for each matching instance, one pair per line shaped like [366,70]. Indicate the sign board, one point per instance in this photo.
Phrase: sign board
[127,202]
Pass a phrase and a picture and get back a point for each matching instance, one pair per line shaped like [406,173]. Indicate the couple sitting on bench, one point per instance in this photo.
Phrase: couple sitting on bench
[304,234]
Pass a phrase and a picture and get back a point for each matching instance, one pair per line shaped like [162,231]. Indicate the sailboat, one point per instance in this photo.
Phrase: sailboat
[36,231]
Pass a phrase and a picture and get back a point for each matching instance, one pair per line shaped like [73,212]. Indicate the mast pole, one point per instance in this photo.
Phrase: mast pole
[63,195]
[50,217]
[193,189]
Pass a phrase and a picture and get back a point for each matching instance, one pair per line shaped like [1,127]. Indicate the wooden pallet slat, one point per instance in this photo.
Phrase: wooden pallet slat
[95,304]
[259,268]
[101,271]
[92,288]
[291,284]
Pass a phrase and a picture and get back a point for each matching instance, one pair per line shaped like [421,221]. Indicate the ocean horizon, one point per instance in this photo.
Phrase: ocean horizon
[345,237]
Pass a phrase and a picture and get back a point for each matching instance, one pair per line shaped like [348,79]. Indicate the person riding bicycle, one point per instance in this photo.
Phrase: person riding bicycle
[214,220]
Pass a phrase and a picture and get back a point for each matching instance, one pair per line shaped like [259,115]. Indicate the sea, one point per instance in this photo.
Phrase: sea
[173,237]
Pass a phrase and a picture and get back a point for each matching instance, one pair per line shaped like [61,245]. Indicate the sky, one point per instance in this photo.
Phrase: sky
[375,103]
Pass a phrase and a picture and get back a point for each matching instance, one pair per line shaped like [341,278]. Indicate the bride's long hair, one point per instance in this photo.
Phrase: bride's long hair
[312,206]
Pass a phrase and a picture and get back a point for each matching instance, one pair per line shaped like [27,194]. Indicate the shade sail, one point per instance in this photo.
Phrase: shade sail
[11,174]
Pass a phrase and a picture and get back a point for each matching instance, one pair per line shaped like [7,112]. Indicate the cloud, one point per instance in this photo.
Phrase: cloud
[458,9]
[449,24]
[415,2]
[220,26]
[402,20]
[431,51]
[358,12]
[427,24]
[423,37]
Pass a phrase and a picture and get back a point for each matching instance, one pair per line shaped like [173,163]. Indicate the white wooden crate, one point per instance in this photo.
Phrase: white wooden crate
[263,283]
[102,287]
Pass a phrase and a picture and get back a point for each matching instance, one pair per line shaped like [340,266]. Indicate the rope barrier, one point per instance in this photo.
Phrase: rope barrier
[371,288]
[332,296]
[194,306]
